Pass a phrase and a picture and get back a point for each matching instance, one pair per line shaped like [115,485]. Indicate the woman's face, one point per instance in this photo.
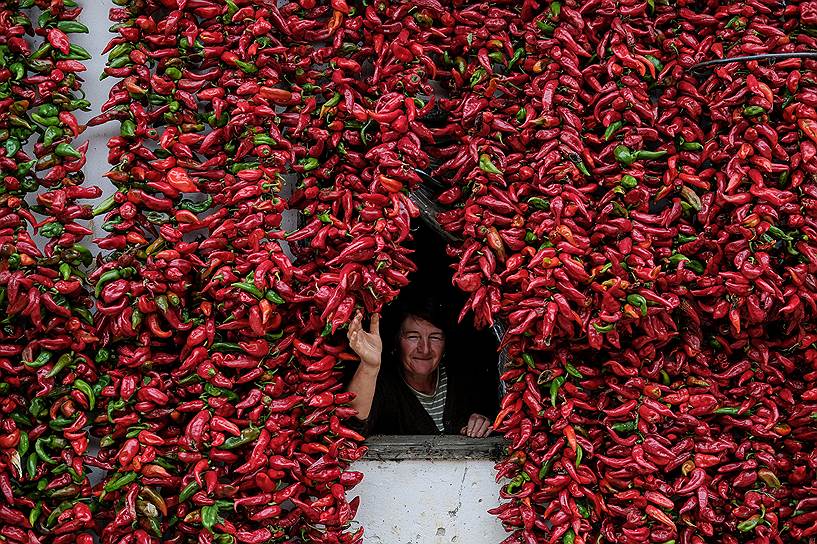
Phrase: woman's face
[421,346]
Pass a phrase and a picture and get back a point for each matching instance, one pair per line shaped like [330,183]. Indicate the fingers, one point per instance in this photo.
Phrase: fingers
[478,426]
[473,424]
[354,325]
[374,326]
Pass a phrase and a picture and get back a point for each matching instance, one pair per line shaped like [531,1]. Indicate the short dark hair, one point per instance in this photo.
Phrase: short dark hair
[424,307]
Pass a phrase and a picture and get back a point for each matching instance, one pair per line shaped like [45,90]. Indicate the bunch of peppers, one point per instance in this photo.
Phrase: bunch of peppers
[680,406]
[49,384]
[216,389]
[641,223]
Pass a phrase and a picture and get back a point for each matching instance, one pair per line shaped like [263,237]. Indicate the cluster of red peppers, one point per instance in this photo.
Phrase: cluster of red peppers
[643,227]
[48,382]
[638,218]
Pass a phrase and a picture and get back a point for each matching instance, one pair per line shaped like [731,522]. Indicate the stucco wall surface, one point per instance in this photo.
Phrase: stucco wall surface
[428,502]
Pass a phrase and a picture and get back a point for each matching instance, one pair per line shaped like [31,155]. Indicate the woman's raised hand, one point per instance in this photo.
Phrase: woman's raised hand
[367,345]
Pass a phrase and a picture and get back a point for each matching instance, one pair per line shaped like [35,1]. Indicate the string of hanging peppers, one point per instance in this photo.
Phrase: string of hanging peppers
[48,381]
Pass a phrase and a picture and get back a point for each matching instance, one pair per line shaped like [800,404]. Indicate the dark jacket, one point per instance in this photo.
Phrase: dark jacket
[396,409]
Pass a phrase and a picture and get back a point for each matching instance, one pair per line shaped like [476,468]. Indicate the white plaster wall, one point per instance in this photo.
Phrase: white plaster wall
[428,502]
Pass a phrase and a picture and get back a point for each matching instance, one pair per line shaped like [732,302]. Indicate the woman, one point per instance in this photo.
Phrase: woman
[414,396]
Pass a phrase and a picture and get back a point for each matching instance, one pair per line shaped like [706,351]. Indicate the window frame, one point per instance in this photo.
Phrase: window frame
[448,447]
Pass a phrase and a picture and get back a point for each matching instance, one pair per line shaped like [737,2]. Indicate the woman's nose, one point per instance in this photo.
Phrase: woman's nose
[423,345]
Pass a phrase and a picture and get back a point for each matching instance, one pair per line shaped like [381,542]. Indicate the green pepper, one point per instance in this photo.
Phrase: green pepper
[545,27]
[642,154]
[127,129]
[582,168]
[31,463]
[66,150]
[517,482]
[573,371]
[539,203]
[79,104]
[728,410]
[769,478]
[749,524]
[48,110]
[579,455]
[105,206]
[76,53]
[225,346]
[601,329]
[569,537]
[52,230]
[86,389]
[41,51]
[247,435]
[20,419]
[34,515]
[624,426]
[583,509]
[51,134]
[41,360]
[114,406]
[110,275]
[72,26]
[18,71]
[778,233]
[695,266]
[188,491]
[554,388]
[246,67]
[64,360]
[518,53]
[249,288]
[612,129]
[655,62]
[628,182]
[753,111]
[692,146]
[209,516]
[23,445]
[623,155]
[487,166]
[543,472]
[46,121]
[310,164]
[39,449]
[239,166]
[61,423]
[274,297]
[263,139]
[526,357]
[52,518]
[119,481]
[639,301]
[215,391]
[19,122]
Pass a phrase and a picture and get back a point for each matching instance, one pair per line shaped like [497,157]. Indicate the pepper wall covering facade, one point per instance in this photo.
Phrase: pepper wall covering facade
[641,219]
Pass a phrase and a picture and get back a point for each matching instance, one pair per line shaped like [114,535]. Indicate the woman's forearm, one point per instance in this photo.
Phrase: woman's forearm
[363,385]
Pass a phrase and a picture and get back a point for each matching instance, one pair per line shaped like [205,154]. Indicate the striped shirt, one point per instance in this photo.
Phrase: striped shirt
[435,404]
